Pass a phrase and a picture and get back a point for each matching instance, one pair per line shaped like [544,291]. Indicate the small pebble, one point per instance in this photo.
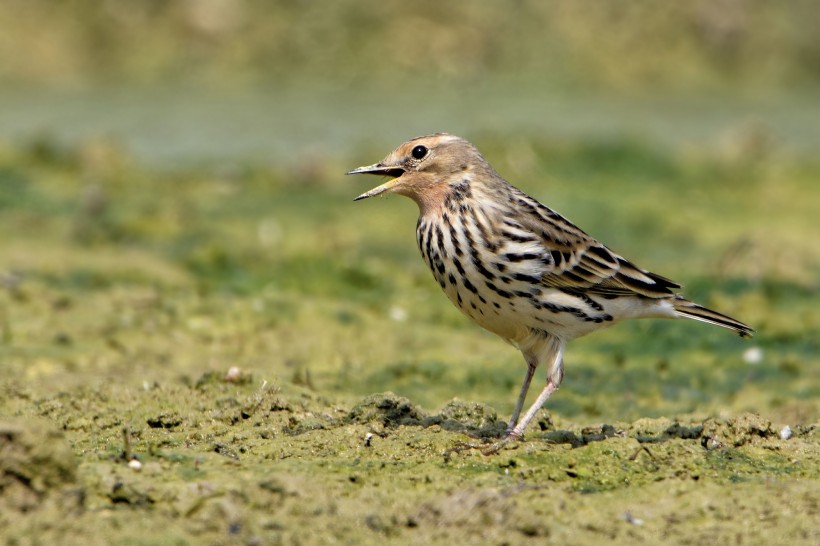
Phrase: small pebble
[234,373]
[753,355]
[135,464]
[629,518]
[398,314]
[785,432]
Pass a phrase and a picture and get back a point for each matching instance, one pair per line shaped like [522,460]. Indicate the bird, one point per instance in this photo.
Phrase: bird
[518,268]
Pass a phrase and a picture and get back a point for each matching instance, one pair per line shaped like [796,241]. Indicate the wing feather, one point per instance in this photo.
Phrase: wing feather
[578,261]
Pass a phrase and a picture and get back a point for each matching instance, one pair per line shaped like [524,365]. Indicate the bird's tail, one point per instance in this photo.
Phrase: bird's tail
[688,309]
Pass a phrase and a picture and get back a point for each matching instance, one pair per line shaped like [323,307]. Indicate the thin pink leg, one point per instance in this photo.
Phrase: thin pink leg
[532,364]
[553,382]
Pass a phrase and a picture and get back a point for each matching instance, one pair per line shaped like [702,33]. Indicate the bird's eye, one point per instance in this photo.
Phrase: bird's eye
[419,152]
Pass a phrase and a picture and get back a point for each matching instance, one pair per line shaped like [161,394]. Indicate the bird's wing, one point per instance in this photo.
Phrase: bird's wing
[577,261]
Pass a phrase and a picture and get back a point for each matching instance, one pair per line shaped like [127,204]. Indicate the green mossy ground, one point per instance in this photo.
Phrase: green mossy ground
[237,330]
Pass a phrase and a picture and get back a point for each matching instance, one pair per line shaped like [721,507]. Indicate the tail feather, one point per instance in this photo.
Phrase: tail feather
[688,309]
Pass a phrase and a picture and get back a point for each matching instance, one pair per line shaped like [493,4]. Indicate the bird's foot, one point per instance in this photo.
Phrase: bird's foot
[460,447]
[510,437]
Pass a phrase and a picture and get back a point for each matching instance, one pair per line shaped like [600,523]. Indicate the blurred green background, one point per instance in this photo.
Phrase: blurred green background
[293,81]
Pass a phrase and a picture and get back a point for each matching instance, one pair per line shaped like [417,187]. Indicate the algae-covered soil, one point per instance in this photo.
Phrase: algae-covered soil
[239,354]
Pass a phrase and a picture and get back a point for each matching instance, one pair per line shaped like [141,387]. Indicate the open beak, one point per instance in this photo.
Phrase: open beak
[380,169]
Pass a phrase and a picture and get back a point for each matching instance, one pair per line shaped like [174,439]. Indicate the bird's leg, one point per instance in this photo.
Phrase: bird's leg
[532,364]
[556,375]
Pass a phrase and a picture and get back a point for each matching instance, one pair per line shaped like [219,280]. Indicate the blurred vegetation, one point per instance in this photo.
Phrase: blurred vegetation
[632,45]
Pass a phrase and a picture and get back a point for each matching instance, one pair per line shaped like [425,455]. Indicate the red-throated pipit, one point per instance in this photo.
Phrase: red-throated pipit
[516,267]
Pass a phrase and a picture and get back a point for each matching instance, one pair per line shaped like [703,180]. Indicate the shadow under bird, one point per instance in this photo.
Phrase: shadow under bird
[516,267]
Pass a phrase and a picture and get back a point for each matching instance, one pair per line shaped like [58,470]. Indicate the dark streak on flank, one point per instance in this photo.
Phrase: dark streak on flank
[512,257]
[440,268]
[470,286]
[523,277]
[480,267]
[499,291]
[459,267]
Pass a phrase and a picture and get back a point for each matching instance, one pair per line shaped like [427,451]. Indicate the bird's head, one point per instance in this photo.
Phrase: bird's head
[424,167]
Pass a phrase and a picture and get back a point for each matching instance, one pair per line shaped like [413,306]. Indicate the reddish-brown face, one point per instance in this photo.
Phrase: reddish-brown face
[421,168]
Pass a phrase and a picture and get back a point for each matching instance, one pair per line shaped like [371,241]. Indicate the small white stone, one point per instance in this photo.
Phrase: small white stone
[234,373]
[135,464]
[398,314]
[753,355]
[785,432]
[629,518]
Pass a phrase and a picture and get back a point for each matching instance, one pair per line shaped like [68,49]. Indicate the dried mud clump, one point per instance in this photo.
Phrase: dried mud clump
[388,409]
[740,430]
[35,463]
[473,418]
